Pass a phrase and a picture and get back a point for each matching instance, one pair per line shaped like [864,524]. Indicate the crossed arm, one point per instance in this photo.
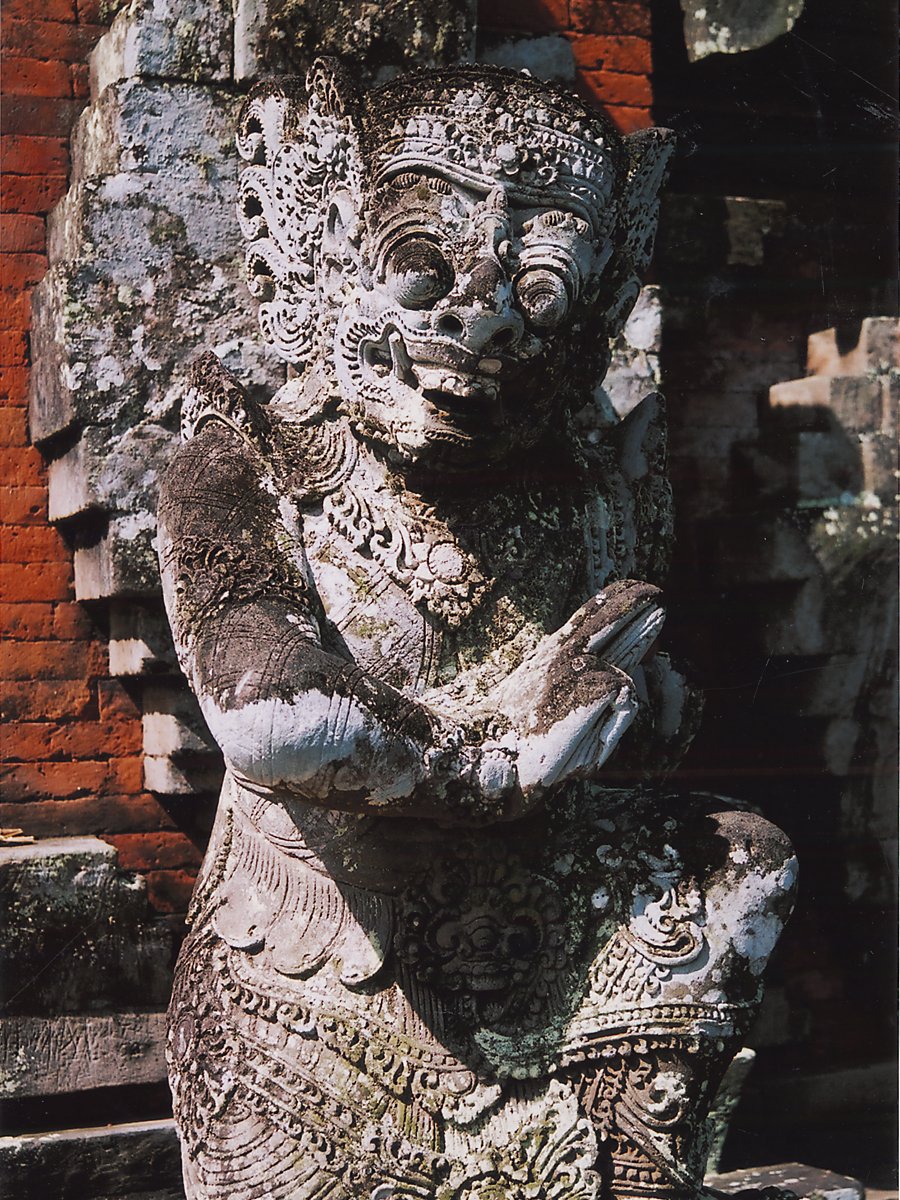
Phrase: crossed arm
[293,713]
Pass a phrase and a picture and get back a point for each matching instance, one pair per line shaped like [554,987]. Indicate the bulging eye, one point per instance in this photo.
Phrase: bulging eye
[417,273]
[543,298]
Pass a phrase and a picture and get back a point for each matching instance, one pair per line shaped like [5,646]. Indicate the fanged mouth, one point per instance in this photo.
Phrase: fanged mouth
[469,401]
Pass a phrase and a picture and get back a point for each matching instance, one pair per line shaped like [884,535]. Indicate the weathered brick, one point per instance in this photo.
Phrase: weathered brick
[625,118]
[54,780]
[45,700]
[610,17]
[53,116]
[52,660]
[35,581]
[14,383]
[13,427]
[58,40]
[124,775]
[36,77]
[30,194]
[629,120]
[32,543]
[91,12]
[524,16]
[155,851]
[170,891]
[22,466]
[613,87]
[25,621]
[45,741]
[15,310]
[23,154]
[597,52]
[21,233]
[49,10]
[81,80]
[27,741]
[13,348]
[23,505]
[19,270]
[95,814]
[93,739]
[72,620]
[115,702]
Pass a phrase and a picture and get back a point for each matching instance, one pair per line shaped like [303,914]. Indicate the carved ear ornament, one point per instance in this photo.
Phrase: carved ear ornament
[214,394]
[301,146]
[649,152]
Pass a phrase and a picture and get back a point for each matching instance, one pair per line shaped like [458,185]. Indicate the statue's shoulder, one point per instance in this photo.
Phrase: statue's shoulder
[226,446]
[216,396]
[305,449]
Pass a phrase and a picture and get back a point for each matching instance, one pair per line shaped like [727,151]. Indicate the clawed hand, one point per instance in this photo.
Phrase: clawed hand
[570,702]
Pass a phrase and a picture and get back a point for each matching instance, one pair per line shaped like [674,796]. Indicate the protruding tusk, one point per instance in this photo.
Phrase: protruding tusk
[399,358]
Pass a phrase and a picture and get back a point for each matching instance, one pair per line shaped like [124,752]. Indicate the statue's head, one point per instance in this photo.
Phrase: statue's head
[453,250]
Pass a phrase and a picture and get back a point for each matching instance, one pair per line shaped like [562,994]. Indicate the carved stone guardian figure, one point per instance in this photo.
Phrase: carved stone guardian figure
[432,956]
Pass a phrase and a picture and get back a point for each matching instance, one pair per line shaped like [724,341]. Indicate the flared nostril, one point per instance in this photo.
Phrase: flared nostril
[502,338]
[450,325]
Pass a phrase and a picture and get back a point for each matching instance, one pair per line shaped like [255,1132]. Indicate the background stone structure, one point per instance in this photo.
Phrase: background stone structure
[779,225]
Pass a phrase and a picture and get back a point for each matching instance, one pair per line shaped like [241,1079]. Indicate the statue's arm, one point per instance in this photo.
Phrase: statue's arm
[288,711]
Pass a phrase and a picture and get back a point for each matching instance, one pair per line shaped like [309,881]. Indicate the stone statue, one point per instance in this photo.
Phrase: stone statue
[431,954]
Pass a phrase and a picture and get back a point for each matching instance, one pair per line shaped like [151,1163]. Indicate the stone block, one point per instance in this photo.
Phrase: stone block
[130,226]
[45,1056]
[548,58]
[122,562]
[114,353]
[879,457]
[77,935]
[749,222]
[807,1183]
[859,403]
[764,551]
[167,778]
[190,40]
[180,130]
[173,723]
[877,349]
[137,1161]
[812,468]
[280,36]
[729,27]
[140,642]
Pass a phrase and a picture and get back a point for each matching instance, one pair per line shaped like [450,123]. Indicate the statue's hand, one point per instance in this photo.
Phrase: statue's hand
[569,703]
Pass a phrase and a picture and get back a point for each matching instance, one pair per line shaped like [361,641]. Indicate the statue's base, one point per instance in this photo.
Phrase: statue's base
[141,1161]
[805,1182]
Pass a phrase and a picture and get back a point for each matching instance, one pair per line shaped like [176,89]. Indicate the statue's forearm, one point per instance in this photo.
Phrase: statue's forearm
[291,716]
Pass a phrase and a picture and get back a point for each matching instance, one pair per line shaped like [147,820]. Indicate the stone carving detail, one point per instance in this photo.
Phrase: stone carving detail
[433,954]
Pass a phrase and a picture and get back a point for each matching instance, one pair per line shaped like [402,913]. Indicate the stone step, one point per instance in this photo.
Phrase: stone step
[805,1182]
[48,1056]
[77,934]
[135,1161]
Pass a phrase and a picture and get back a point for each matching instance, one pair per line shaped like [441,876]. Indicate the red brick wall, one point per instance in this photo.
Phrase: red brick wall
[70,756]
[610,42]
